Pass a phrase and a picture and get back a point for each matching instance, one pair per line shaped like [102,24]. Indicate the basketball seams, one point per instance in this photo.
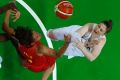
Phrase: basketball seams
[61,12]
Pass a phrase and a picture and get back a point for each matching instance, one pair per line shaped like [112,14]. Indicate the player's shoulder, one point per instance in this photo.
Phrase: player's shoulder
[90,24]
[103,39]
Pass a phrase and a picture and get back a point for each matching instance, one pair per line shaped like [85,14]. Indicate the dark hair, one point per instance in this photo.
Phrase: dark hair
[24,35]
[108,25]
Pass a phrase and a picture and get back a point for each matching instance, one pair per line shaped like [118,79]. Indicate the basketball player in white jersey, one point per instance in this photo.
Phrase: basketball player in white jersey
[87,40]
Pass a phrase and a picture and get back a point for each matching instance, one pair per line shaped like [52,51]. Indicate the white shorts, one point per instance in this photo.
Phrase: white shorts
[60,32]
[72,50]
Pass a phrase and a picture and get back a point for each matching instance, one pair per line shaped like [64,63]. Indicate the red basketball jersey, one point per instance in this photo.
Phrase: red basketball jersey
[34,62]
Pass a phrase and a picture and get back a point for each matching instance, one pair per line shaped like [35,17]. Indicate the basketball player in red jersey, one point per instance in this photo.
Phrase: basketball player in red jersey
[34,55]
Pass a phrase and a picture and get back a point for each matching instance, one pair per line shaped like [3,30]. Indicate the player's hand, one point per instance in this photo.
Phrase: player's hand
[78,43]
[96,42]
[92,43]
[67,38]
[15,15]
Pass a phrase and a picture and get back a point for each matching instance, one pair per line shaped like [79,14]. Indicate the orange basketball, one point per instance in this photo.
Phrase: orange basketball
[64,9]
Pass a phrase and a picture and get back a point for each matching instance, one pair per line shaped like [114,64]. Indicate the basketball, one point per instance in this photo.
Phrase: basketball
[64,9]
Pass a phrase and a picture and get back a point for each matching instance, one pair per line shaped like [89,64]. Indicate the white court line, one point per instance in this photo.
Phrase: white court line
[37,19]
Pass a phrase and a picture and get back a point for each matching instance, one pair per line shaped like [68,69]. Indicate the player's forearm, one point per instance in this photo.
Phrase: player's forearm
[62,49]
[87,53]
[5,25]
[7,17]
[6,21]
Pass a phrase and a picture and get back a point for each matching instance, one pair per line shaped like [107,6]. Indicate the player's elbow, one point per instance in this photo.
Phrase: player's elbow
[92,58]
[4,26]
